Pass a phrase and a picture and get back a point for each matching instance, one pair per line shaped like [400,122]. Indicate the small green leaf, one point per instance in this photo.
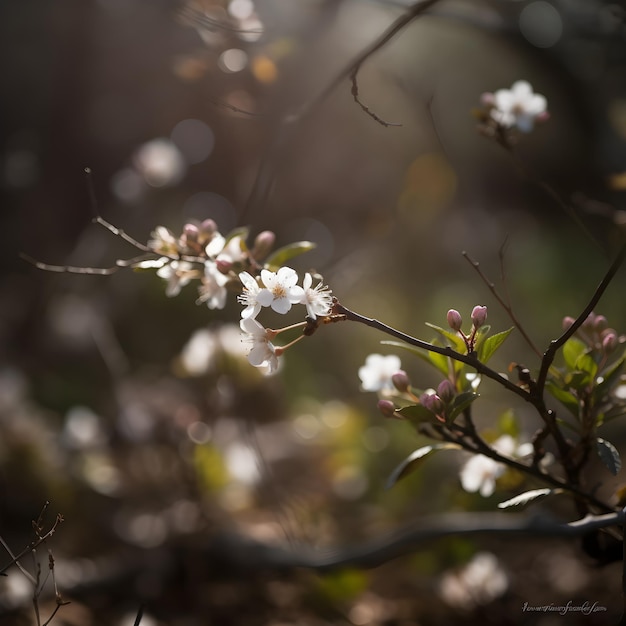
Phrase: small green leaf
[487,348]
[608,455]
[507,424]
[459,404]
[566,398]
[416,413]
[572,349]
[415,459]
[585,363]
[610,375]
[455,341]
[282,255]
[439,361]
[526,497]
[242,231]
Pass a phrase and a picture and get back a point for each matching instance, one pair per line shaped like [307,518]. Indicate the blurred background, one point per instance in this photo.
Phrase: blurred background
[138,417]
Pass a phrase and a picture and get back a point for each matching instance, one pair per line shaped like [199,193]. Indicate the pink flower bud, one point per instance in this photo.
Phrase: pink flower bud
[609,342]
[263,243]
[387,408]
[590,321]
[432,402]
[208,227]
[446,391]
[401,381]
[191,232]
[488,99]
[479,316]
[567,322]
[455,321]
[600,323]
[224,266]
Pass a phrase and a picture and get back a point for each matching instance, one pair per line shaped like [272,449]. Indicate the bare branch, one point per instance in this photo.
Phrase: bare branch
[70,269]
[355,95]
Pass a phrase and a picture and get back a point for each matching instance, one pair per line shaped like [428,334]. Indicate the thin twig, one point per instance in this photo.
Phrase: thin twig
[355,96]
[70,269]
[556,344]
[505,304]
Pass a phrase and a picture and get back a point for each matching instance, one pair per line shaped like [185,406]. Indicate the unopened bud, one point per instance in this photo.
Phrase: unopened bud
[488,99]
[224,266]
[446,391]
[433,403]
[208,227]
[387,408]
[590,321]
[263,243]
[567,322]
[455,321]
[479,316]
[191,232]
[609,342]
[600,323]
[401,381]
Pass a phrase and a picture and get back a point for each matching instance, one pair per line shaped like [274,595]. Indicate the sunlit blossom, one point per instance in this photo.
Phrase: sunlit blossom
[376,374]
[177,274]
[481,472]
[281,290]
[215,246]
[163,241]
[480,582]
[249,296]
[317,300]
[262,352]
[212,290]
[518,106]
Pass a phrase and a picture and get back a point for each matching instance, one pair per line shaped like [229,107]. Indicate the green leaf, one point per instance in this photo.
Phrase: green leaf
[415,459]
[487,348]
[416,413]
[566,398]
[609,376]
[572,349]
[585,363]
[526,497]
[456,342]
[286,253]
[242,231]
[459,404]
[609,455]
[439,361]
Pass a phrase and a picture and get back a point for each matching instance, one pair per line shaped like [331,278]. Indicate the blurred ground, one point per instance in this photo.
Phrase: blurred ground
[151,446]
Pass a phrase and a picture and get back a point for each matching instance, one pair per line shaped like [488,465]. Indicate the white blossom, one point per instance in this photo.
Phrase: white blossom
[317,300]
[376,374]
[212,289]
[518,106]
[215,246]
[480,472]
[480,582]
[163,241]
[249,296]
[281,290]
[177,274]
[262,353]
[233,251]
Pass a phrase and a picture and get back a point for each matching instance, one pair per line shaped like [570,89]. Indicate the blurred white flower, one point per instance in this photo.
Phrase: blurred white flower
[232,252]
[480,582]
[317,300]
[480,472]
[212,289]
[215,246]
[198,354]
[163,241]
[177,274]
[281,290]
[518,106]
[262,353]
[160,163]
[376,374]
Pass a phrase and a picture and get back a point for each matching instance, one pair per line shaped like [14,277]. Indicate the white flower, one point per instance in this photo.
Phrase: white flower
[233,251]
[215,246]
[177,274]
[262,353]
[318,300]
[249,296]
[480,472]
[480,582]
[213,290]
[280,290]
[162,241]
[518,106]
[376,374]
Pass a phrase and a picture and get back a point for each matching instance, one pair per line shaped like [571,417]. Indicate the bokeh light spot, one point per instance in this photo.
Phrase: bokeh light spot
[233,60]
[541,24]
[264,69]
[194,139]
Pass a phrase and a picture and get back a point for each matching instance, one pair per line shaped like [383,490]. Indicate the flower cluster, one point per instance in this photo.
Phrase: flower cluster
[596,334]
[518,107]
[478,317]
[279,291]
